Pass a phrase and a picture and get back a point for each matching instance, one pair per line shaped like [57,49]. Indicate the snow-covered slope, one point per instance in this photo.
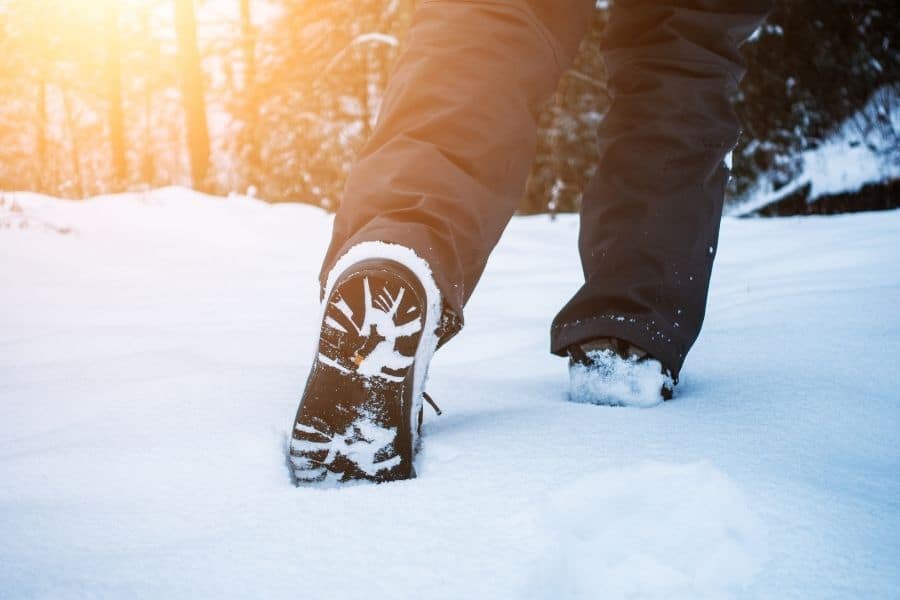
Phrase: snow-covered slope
[151,360]
[864,150]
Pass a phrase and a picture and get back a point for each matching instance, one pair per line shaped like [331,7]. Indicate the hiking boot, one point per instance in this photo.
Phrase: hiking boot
[360,413]
[613,372]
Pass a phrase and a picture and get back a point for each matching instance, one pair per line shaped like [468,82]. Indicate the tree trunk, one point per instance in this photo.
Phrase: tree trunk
[147,167]
[116,114]
[249,148]
[75,154]
[42,162]
[192,93]
[248,43]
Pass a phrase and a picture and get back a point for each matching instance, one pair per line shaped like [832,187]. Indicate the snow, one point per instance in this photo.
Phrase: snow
[152,357]
[613,381]
[688,553]
[863,150]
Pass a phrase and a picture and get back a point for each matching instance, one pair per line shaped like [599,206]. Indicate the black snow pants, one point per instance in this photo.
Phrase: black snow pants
[447,163]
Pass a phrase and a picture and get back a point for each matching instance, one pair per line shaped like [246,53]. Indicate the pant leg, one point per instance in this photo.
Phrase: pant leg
[446,165]
[650,215]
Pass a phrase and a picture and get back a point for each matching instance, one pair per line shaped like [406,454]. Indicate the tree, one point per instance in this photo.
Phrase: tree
[810,67]
[192,92]
[115,113]
[248,143]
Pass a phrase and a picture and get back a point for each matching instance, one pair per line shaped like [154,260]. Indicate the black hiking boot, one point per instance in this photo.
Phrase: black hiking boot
[611,371]
[361,409]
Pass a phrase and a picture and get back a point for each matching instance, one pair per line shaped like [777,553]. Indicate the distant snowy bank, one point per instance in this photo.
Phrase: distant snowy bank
[863,152]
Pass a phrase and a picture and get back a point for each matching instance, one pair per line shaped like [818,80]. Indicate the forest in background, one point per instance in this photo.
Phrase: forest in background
[274,98]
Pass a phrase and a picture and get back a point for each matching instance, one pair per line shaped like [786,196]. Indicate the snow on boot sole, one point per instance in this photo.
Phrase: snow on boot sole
[357,420]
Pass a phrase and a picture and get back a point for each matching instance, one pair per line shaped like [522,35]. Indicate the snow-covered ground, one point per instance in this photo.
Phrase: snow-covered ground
[864,150]
[152,357]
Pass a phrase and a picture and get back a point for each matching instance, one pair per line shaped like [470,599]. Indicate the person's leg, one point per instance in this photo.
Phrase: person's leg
[650,215]
[447,163]
[423,207]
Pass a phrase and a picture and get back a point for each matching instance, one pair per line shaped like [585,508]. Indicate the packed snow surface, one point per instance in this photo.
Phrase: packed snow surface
[153,349]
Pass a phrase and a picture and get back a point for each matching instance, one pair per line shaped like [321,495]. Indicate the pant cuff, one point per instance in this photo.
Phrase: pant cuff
[647,334]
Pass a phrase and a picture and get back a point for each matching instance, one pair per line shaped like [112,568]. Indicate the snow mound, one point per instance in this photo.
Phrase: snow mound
[654,530]
[614,381]
[13,216]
